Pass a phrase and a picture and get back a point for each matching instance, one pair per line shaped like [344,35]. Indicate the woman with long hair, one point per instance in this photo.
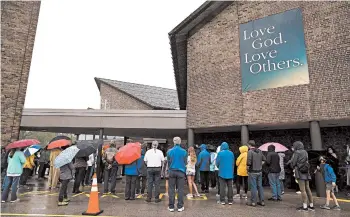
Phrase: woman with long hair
[16,160]
[191,171]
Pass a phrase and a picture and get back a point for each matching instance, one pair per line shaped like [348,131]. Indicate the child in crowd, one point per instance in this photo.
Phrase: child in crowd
[330,180]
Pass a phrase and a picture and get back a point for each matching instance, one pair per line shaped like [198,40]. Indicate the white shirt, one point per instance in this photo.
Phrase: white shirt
[191,167]
[91,160]
[154,158]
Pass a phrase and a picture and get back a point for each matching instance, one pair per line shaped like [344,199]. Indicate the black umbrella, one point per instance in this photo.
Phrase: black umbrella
[87,147]
[59,137]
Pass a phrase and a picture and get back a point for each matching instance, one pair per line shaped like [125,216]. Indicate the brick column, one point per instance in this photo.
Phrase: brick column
[315,134]
[190,137]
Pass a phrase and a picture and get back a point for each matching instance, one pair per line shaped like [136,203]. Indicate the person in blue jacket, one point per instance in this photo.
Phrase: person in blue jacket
[203,163]
[225,161]
[132,172]
[177,159]
[330,180]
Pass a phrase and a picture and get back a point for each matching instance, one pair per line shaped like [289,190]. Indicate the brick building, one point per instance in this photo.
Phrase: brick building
[18,28]
[207,63]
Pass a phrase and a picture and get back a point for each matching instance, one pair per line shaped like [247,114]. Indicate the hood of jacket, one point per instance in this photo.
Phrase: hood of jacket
[243,149]
[271,148]
[224,146]
[298,146]
[203,147]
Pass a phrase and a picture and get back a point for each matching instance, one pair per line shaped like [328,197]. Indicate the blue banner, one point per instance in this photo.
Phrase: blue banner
[272,52]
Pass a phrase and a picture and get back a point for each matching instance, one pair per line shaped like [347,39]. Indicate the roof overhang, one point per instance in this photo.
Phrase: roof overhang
[178,42]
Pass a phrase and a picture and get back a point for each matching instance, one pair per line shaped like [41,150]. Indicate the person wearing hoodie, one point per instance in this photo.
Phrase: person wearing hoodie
[132,171]
[16,160]
[204,167]
[301,166]
[255,161]
[282,173]
[110,168]
[242,173]
[273,162]
[225,161]
[43,162]
[177,159]
[80,165]
[142,179]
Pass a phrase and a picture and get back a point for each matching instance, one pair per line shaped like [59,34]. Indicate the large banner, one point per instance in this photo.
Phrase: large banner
[273,53]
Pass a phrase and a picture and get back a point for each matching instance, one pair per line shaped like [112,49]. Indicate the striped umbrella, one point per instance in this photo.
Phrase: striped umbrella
[31,150]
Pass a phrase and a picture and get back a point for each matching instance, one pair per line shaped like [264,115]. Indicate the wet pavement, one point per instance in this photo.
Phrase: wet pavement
[37,200]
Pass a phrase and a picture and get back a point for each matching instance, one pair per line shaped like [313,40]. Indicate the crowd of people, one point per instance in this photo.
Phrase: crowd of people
[215,169]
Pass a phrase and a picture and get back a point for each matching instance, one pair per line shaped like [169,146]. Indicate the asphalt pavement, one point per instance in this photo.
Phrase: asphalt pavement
[37,200]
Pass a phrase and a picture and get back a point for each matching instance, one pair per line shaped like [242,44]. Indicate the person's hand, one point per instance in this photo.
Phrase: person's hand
[318,168]
[333,184]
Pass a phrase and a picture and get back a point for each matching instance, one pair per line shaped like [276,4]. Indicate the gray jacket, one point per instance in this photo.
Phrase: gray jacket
[44,156]
[254,160]
[80,162]
[299,158]
[66,172]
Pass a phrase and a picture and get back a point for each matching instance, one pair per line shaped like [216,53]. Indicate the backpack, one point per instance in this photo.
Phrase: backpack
[304,168]
[110,157]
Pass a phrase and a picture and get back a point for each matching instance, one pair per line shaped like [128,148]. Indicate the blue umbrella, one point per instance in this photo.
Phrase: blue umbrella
[66,156]
[31,150]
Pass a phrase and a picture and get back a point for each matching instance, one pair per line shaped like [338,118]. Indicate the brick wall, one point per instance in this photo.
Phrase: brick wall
[119,100]
[214,96]
[18,27]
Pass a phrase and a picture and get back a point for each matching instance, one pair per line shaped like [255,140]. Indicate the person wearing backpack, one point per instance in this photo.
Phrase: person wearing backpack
[110,168]
[330,179]
[300,163]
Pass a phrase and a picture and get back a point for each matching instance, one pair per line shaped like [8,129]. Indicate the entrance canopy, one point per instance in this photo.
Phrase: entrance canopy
[131,123]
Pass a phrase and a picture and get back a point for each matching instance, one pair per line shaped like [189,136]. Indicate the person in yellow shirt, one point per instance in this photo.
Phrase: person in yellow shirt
[54,174]
[27,169]
[242,173]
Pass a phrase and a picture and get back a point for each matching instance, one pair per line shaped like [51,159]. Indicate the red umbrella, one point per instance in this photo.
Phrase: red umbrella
[128,153]
[22,143]
[58,144]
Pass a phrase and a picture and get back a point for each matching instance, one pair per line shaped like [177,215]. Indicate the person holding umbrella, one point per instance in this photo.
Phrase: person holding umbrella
[16,160]
[66,174]
[110,168]
[43,162]
[54,172]
[132,171]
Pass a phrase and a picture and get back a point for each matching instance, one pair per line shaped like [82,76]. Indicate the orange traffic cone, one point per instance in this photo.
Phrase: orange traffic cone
[94,204]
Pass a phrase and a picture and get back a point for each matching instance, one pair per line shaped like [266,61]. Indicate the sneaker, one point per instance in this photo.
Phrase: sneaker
[230,203]
[66,200]
[336,208]
[189,195]
[181,209]
[166,195]
[14,201]
[244,196]
[62,203]
[3,201]
[217,195]
[311,208]
[223,203]
[197,195]
[148,200]
[237,196]
[282,192]
[261,203]
[272,199]
[302,209]
[325,207]
[251,204]
[171,209]
[298,192]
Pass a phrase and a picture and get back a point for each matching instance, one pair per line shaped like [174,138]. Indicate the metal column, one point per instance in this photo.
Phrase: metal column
[190,137]
[99,158]
[244,134]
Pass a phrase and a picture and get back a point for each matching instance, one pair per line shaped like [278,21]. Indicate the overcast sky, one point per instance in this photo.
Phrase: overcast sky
[77,40]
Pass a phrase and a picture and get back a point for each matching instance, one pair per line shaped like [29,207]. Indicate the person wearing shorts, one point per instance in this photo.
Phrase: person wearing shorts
[330,180]
[191,172]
